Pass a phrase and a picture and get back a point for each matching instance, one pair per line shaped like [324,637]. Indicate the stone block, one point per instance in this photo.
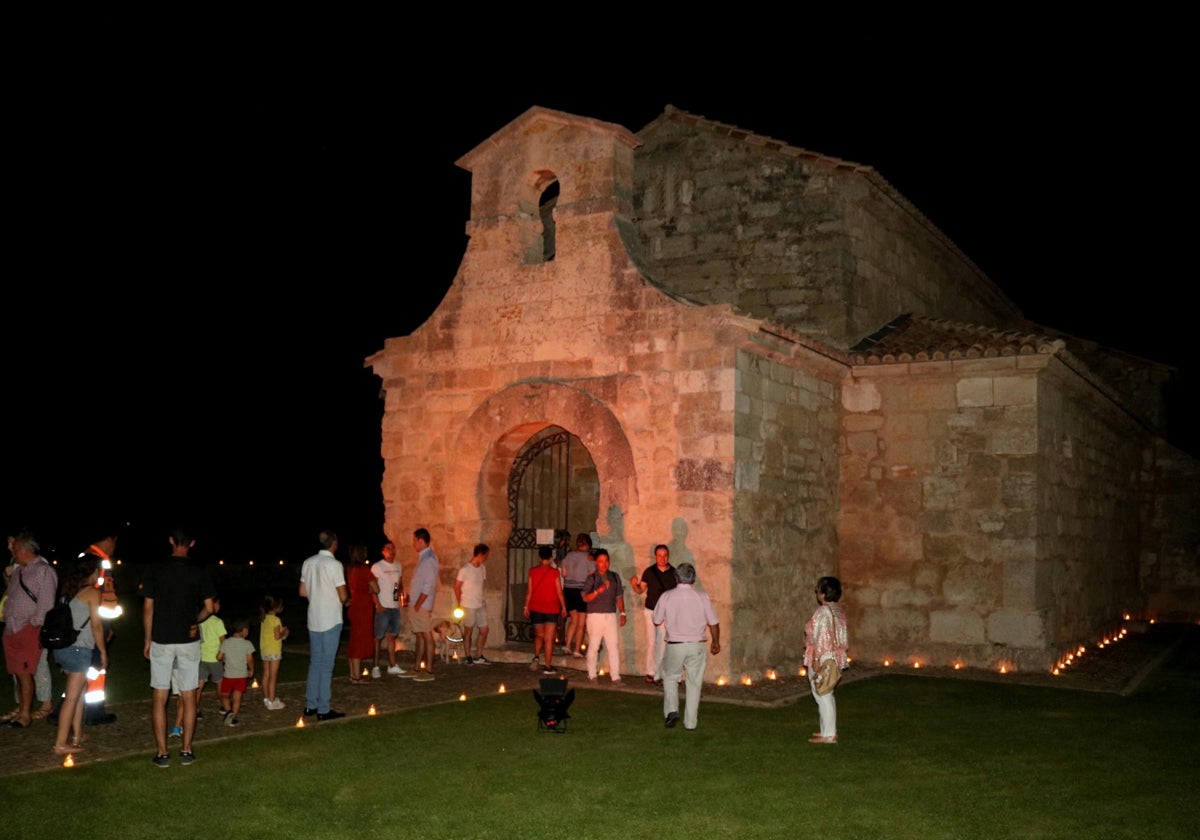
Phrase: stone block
[1014,390]
[861,395]
[971,584]
[892,625]
[956,627]
[932,395]
[975,392]
[1016,628]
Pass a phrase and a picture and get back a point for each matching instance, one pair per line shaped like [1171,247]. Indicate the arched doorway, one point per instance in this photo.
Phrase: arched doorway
[553,486]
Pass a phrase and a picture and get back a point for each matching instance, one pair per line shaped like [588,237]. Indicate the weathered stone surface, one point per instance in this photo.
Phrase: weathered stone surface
[956,627]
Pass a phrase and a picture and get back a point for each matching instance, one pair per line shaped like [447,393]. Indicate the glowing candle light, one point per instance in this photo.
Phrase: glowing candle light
[220,562]
[421,667]
[722,681]
[462,697]
[251,562]
[69,761]
[1055,672]
[280,562]
[459,612]
[957,666]
[803,672]
[1126,616]
[771,675]
[1003,669]
[887,663]
[300,723]
[371,711]
[254,684]
[365,673]
[502,688]
[746,680]
[917,664]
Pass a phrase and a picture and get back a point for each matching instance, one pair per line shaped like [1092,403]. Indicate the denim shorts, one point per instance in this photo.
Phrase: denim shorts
[74,660]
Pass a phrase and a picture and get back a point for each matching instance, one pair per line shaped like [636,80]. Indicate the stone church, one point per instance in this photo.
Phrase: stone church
[771,361]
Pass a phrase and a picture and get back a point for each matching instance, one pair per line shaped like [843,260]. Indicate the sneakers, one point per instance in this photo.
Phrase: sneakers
[266,702]
[480,660]
[232,721]
[376,673]
[423,676]
[176,732]
[309,712]
[672,719]
[469,660]
[163,760]
[395,670]
[187,757]
[274,705]
[330,715]
[225,713]
[548,672]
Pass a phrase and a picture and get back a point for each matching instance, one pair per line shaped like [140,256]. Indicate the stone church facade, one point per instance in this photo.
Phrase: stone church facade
[771,361]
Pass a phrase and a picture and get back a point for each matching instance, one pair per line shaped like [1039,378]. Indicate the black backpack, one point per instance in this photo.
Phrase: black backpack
[58,630]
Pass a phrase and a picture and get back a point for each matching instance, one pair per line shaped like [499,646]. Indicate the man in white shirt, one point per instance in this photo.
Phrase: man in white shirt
[323,583]
[468,592]
[686,613]
[386,591]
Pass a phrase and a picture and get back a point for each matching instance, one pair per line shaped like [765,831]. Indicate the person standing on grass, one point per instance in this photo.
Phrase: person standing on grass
[178,596]
[656,580]
[468,592]
[212,633]
[825,637]
[323,584]
[605,598]
[684,613]
[387,591]
[271,634]
[237,654]
[424,587]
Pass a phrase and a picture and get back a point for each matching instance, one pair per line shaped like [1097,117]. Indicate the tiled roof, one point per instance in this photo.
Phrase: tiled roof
[912,338]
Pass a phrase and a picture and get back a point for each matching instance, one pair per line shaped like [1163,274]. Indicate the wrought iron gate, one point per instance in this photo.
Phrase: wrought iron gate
[538,497]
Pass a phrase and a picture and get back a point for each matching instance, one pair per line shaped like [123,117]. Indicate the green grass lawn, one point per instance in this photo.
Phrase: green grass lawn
[919,758]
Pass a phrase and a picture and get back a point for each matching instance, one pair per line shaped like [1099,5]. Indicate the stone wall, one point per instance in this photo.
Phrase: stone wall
[829,249]
[1090,459]
[1169,571]
[787,424]
[937,539]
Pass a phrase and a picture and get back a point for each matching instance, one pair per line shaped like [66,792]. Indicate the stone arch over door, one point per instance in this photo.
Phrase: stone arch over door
[493,436]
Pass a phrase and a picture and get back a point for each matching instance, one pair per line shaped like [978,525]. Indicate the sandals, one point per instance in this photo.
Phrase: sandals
[67,750]
[360,681]
[6,718]
[40,714]
[821,739]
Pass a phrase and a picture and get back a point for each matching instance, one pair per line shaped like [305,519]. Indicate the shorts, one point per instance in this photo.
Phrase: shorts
[542,618]
[74,660]
[422,621]
[211,672]
[271,657]
[387,622]
[476,617]
[232,684]
[182,662]
[23,650]
[574,598]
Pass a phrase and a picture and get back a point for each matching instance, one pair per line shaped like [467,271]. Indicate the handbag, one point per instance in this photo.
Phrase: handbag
[827,677]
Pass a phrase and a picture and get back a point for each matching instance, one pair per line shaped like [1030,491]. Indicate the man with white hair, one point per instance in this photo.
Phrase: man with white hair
[686,613]
[31,591]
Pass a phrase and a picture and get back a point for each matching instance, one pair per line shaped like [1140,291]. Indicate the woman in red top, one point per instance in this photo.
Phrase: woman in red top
[361,613]
[544,604]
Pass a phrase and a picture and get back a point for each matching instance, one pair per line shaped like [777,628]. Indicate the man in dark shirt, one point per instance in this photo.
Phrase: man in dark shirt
[179,595]
[656,580]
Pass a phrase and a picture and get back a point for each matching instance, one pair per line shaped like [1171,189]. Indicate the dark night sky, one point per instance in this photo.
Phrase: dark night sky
[198,270]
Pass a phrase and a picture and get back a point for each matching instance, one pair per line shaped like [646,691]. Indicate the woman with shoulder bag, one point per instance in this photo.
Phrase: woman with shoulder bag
[79,582]
[825,643]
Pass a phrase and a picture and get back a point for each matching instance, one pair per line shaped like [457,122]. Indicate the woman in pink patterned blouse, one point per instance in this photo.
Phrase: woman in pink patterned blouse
[825,638]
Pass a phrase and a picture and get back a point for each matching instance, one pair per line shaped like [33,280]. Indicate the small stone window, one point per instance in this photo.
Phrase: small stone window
[537,208]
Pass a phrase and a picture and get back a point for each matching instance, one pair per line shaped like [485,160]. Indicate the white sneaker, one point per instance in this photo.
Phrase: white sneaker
[395,670]
[375,672]
[276,705]
[267,703]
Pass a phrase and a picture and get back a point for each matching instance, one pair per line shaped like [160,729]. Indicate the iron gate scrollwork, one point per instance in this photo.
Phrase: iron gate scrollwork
[538,497]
